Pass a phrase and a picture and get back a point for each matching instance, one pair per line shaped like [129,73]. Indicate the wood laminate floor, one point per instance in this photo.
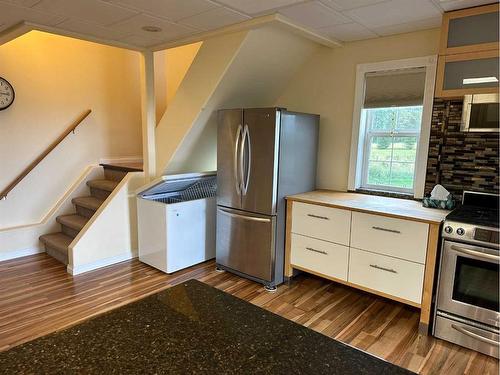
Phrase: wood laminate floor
[37,297]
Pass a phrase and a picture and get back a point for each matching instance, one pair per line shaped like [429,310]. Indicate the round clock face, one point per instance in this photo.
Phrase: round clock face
[6,94]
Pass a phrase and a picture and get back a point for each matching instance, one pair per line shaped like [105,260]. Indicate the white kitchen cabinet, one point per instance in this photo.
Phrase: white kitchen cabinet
[323,257]
[388,275]
[398,238]
[382,245]
[324,223]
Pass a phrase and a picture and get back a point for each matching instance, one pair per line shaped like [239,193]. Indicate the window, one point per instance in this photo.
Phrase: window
[391,147]
[391,126]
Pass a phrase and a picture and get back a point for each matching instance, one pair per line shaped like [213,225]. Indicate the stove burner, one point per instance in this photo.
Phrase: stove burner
[488,217]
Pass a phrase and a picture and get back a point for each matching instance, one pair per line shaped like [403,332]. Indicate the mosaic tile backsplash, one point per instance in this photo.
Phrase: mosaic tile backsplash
[469,161]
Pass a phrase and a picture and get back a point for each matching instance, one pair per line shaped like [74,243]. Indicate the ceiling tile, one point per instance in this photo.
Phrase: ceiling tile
[394,11]
[349,4]
[140,41]
[91,29]
[409,26]
[449,5]
[347,32]
[11,15]
[257,6]
[24,3]
[214,19]
[171,9]
[314,14]
[95,11]
[168,31]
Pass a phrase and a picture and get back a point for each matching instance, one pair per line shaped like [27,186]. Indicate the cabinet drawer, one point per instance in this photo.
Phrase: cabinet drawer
[324,257]
[388,275]
[399,238]
[325,223]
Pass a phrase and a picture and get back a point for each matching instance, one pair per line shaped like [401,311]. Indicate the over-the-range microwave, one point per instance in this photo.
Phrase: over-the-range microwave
[480,113]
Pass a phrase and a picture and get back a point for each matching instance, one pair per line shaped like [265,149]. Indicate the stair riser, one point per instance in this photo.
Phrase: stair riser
[69,231]
[98,193]
[114,175]
[83,211]
[54,253]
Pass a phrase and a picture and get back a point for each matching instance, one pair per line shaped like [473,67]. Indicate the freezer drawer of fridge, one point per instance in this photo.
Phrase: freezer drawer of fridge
[246,242]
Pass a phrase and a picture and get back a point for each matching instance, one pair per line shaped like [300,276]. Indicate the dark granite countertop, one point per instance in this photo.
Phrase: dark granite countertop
[191,328]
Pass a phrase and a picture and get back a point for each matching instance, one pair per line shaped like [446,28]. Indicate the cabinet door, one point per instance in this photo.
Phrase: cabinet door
[467,73]
[470,30]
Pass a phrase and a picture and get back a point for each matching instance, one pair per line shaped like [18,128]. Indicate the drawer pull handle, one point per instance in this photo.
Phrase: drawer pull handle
[474,335]
[383,268]
[387,230]
[318,217]
[317,251]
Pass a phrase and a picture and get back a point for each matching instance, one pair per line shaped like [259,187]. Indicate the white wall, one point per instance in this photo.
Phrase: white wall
[239,70]
[325,85]
[23,240]
[110,236]
[56,79]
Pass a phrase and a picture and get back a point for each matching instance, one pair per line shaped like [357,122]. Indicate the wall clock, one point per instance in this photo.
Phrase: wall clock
[7,94]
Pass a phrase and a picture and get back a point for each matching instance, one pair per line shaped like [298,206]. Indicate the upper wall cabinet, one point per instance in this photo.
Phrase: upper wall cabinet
[468,57]
[470,30]
[467,73]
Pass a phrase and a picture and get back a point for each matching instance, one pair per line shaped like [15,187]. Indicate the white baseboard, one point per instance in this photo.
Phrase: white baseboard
[20,253]
[126,159]
[101,263]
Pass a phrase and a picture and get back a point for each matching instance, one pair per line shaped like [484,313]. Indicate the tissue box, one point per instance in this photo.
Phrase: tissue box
[447,204]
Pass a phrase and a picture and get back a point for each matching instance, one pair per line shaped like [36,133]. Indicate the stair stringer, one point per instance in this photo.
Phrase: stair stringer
[110,236]
[258,66]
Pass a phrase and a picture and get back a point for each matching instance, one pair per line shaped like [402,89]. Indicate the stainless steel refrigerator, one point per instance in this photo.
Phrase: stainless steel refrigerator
[263,155]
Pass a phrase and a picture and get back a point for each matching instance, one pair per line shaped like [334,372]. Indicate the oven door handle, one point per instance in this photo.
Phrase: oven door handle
[474,335]
[477,254]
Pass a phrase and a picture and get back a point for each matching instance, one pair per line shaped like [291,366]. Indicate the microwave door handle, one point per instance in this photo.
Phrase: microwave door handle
[237,157]
[477,254]
[474,335]
[247,146]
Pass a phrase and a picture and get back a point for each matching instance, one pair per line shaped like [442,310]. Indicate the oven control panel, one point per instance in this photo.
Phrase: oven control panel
[471,233]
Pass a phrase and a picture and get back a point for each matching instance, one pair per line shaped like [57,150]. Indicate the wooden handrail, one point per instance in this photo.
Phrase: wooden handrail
[47,151]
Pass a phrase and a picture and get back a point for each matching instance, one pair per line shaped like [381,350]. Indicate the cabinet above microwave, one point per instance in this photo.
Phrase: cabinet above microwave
[480,113]
[467,73]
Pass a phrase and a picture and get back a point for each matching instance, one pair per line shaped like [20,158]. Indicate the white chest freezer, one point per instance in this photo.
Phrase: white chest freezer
[176,221]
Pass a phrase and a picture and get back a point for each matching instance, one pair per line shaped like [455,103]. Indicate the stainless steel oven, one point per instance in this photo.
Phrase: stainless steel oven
[480,113]
[467,303]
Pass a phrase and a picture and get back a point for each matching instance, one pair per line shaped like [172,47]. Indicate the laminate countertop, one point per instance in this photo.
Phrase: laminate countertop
[392,207]
[190,328]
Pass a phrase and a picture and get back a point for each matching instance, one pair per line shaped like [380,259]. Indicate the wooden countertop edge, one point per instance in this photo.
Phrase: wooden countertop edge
[367,211]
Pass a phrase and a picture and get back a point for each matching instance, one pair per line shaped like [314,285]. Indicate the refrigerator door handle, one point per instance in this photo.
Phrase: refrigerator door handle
[237,158]
[251,218]
[247,148]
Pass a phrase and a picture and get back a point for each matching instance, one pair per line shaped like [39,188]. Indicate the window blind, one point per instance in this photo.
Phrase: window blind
[396,88]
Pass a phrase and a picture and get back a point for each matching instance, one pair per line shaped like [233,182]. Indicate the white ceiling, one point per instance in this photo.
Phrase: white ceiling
[122,20]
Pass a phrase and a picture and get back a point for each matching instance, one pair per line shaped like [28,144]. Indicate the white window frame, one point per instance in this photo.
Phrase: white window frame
[358,154]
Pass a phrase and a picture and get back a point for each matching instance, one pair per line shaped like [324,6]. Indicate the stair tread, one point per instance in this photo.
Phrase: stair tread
[91,203]
[74,221]
[58,240]
[124,167]
[107,185]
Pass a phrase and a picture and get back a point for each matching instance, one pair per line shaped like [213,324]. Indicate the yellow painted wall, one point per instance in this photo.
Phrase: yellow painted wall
[171,66]
[325,85]
[178,61]
[56,79]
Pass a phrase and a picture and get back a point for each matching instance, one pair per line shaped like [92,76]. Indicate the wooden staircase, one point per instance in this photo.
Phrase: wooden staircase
[57,244]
